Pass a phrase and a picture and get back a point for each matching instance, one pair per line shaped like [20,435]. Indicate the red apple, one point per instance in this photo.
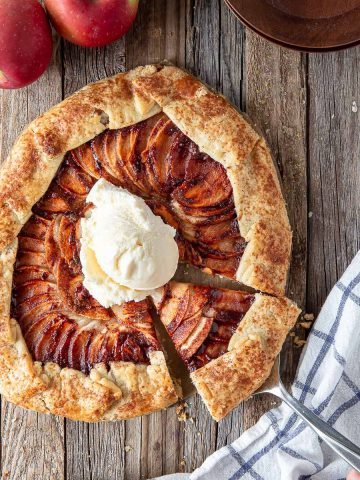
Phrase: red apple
[92,23]
[25,42]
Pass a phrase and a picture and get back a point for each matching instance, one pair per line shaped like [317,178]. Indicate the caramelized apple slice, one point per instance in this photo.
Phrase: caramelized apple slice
[77,349]
[181,152]
[131,143]
[36,332]
[112,159]
[190,334]
[61,352]
[75,296]
[225,266]
[209,192]
[188,304]
[74,180]
[98,166]
[36,308]
[160,208]
[199,217]
[216,232]
[83,156]
[118,148]
[31,272]
[158,156]
[223,249]
[69,242]
[32,289]
[98,351]
[47,340]
[35,227]
[31,244]
[226,302]
[204,336]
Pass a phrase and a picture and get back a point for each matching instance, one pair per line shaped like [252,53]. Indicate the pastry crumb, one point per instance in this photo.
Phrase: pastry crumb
[305,325]
[128,448]
[299,342]
[309,316]
[181,412]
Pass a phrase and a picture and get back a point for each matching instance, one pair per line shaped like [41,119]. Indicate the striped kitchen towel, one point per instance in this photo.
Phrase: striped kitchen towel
[280,446]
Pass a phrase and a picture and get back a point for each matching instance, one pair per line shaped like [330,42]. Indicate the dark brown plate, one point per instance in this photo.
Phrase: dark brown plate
[307,25]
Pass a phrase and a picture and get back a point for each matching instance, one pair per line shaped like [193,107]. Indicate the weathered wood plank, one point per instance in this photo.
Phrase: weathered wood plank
[32,445]
[203,60]
[232,85]
[334,172]
[86,65]
[203,44]
[232,57]
[276,102]
[158,34]
[93,450]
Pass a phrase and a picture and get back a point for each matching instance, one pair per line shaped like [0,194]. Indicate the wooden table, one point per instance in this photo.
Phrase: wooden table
[306,106]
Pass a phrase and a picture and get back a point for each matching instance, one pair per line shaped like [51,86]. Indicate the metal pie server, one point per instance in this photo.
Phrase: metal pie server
[341,445]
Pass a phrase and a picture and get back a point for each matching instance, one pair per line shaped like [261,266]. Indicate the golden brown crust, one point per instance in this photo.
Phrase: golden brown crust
[125,391]
[18,377]
[145,388]
[7,260]
[219,130]
[266,256]
[70,393]
[225,382]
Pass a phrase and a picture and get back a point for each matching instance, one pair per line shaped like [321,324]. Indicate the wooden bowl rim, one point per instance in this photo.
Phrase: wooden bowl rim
[299,33]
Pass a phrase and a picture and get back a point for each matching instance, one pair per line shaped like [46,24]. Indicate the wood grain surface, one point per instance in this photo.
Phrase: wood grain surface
[308,108]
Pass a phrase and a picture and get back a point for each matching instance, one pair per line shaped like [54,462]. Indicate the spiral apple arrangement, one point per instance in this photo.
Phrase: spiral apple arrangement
[25,33]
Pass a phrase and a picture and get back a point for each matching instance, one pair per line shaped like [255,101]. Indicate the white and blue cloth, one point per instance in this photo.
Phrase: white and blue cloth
[280,446]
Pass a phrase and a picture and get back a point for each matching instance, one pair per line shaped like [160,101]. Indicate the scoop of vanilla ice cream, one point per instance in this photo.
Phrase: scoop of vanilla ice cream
[126,252]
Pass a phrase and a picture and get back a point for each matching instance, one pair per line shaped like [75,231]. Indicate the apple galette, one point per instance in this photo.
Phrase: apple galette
[100,198]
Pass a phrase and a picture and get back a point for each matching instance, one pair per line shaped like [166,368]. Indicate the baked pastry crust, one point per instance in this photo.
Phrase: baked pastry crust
[233,376]
[125,99]
[225,382]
